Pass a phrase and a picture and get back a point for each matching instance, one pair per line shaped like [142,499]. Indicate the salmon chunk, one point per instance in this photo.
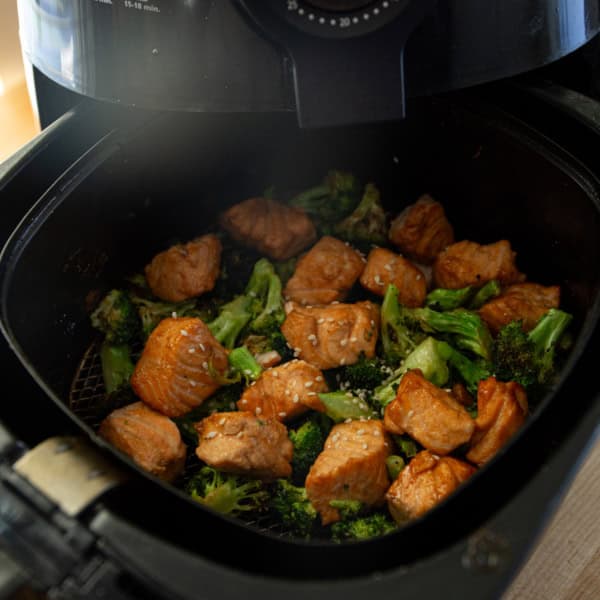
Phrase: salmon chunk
[502,409]
[285,392]
[333,335]
[428,414]
[272,228]
[185,270]
[422,230]
[242,443]
[424,482]
[350,467]
[325,273]
[468,263]
[173,374]
[526,302]
[149,438]
[384,267]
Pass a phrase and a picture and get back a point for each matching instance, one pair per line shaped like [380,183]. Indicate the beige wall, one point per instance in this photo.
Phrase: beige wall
[18,123]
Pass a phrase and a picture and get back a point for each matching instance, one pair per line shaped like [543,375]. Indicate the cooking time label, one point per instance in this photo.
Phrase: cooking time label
[146,6]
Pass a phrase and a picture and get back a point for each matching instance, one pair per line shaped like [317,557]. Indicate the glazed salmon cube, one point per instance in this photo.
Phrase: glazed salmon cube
[422,230]
[428,414]
[285,392]
[325,273]
[384,267]
[175,372]
[272,228]
[332,335]
[185,270]
[148,437]
[240,442]
[468,263]
[350,467]
[502,410]
[424,482]
[525,302]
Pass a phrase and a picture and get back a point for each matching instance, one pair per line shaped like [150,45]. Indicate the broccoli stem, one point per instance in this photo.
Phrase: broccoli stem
[233,317]
[470,372]
[490,290]
[340,406]
[395,338]
[446,299]
[117,366]
[241,360]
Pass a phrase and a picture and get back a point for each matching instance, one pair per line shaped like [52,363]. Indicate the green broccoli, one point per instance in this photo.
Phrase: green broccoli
[471,372]
[274,341]
[446,299]
[117,366]
[364,374]
[117,318]
[232,319]
[347,509]
[407,447]
[362,528]
[400,333]
[264,287]
[341,406]
[529,358]
[308,440]
[329,202]
[293,507]
[285,269]
[227,493]
[484,294]
[367,223]
[243,362]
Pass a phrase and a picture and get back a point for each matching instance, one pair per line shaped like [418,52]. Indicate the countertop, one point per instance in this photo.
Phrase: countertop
[565,564]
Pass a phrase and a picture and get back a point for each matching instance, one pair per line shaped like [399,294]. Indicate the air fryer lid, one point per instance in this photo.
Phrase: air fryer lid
[333,62]
[125,200]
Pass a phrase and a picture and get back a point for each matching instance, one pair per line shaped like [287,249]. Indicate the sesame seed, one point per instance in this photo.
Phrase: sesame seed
[222,421]
[311,394]
[193,383]
[343,342]
[388,266]
[354,339]
[308,384]
[365,446]
[184,332]
[247,372]
[410,413]
[361,431]
[349,394]
[282,414]
[320,320]
[275,373]
[202,347]
[372,323]
[240,433]
[319,378]
[311,337]
[297,350]
[377,280]
[287,392]
[418,277]
[342,361]
[244,401]
[330,319]
[191,350]
[258,410]
[205,365]
[376,433]
[174,314]
[348,420]
[210,435]
[295,399]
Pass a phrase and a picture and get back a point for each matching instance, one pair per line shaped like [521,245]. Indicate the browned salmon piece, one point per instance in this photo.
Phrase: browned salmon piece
[501,410]
[384,267]
[325,273]
[185,270]
[333,335]
[422,230]
[149,438]
[272,228]
[428,414]
[468,263]
[285,392]
[350,467]
[424,482]
[242,443]
[526,302]
[173,374]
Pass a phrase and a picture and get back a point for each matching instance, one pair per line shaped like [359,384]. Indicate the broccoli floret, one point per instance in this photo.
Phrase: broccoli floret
[227,493]
[264,287]
[348,509]
[274,341]
[485,293]
[394,465]
[293,507]
[329,202]
[341,405]
[471,372]
[117,366]
[364,374]
[400,332]
[244,363]
[308,440]
[285,268]
[117,317]
[445,299]
[362,528]
[367,223]
[529,358]
[232,319]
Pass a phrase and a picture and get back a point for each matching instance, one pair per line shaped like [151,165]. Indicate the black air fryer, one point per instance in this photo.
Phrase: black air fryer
[160,113]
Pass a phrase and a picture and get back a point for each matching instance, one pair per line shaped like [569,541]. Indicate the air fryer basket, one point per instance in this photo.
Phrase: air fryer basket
[138,191]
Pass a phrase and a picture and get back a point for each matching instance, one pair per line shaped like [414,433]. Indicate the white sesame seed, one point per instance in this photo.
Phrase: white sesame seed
[320,320]
[418,277]
[192,383]
[308,384]
[222,421]
[210,435]
[365,446]
[247,372]
[377,280]
[361,431]
[354,339]
[244,401]
[343,342]
[311,337]
[342,361]
[311,394]
[184,332]
[376,433]
[240,433]
[372,323]
[174,314]
[258,410]
[205,365]
[275,373]
[410,413]
[282,414]
[287,392]
[348,420]
[349,394]
[296,399]
[388,266]
[202,347]
[298,350]
[191,350]
[319,378]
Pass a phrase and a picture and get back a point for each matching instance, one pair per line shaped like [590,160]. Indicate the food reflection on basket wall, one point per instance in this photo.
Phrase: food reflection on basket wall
[18,121]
